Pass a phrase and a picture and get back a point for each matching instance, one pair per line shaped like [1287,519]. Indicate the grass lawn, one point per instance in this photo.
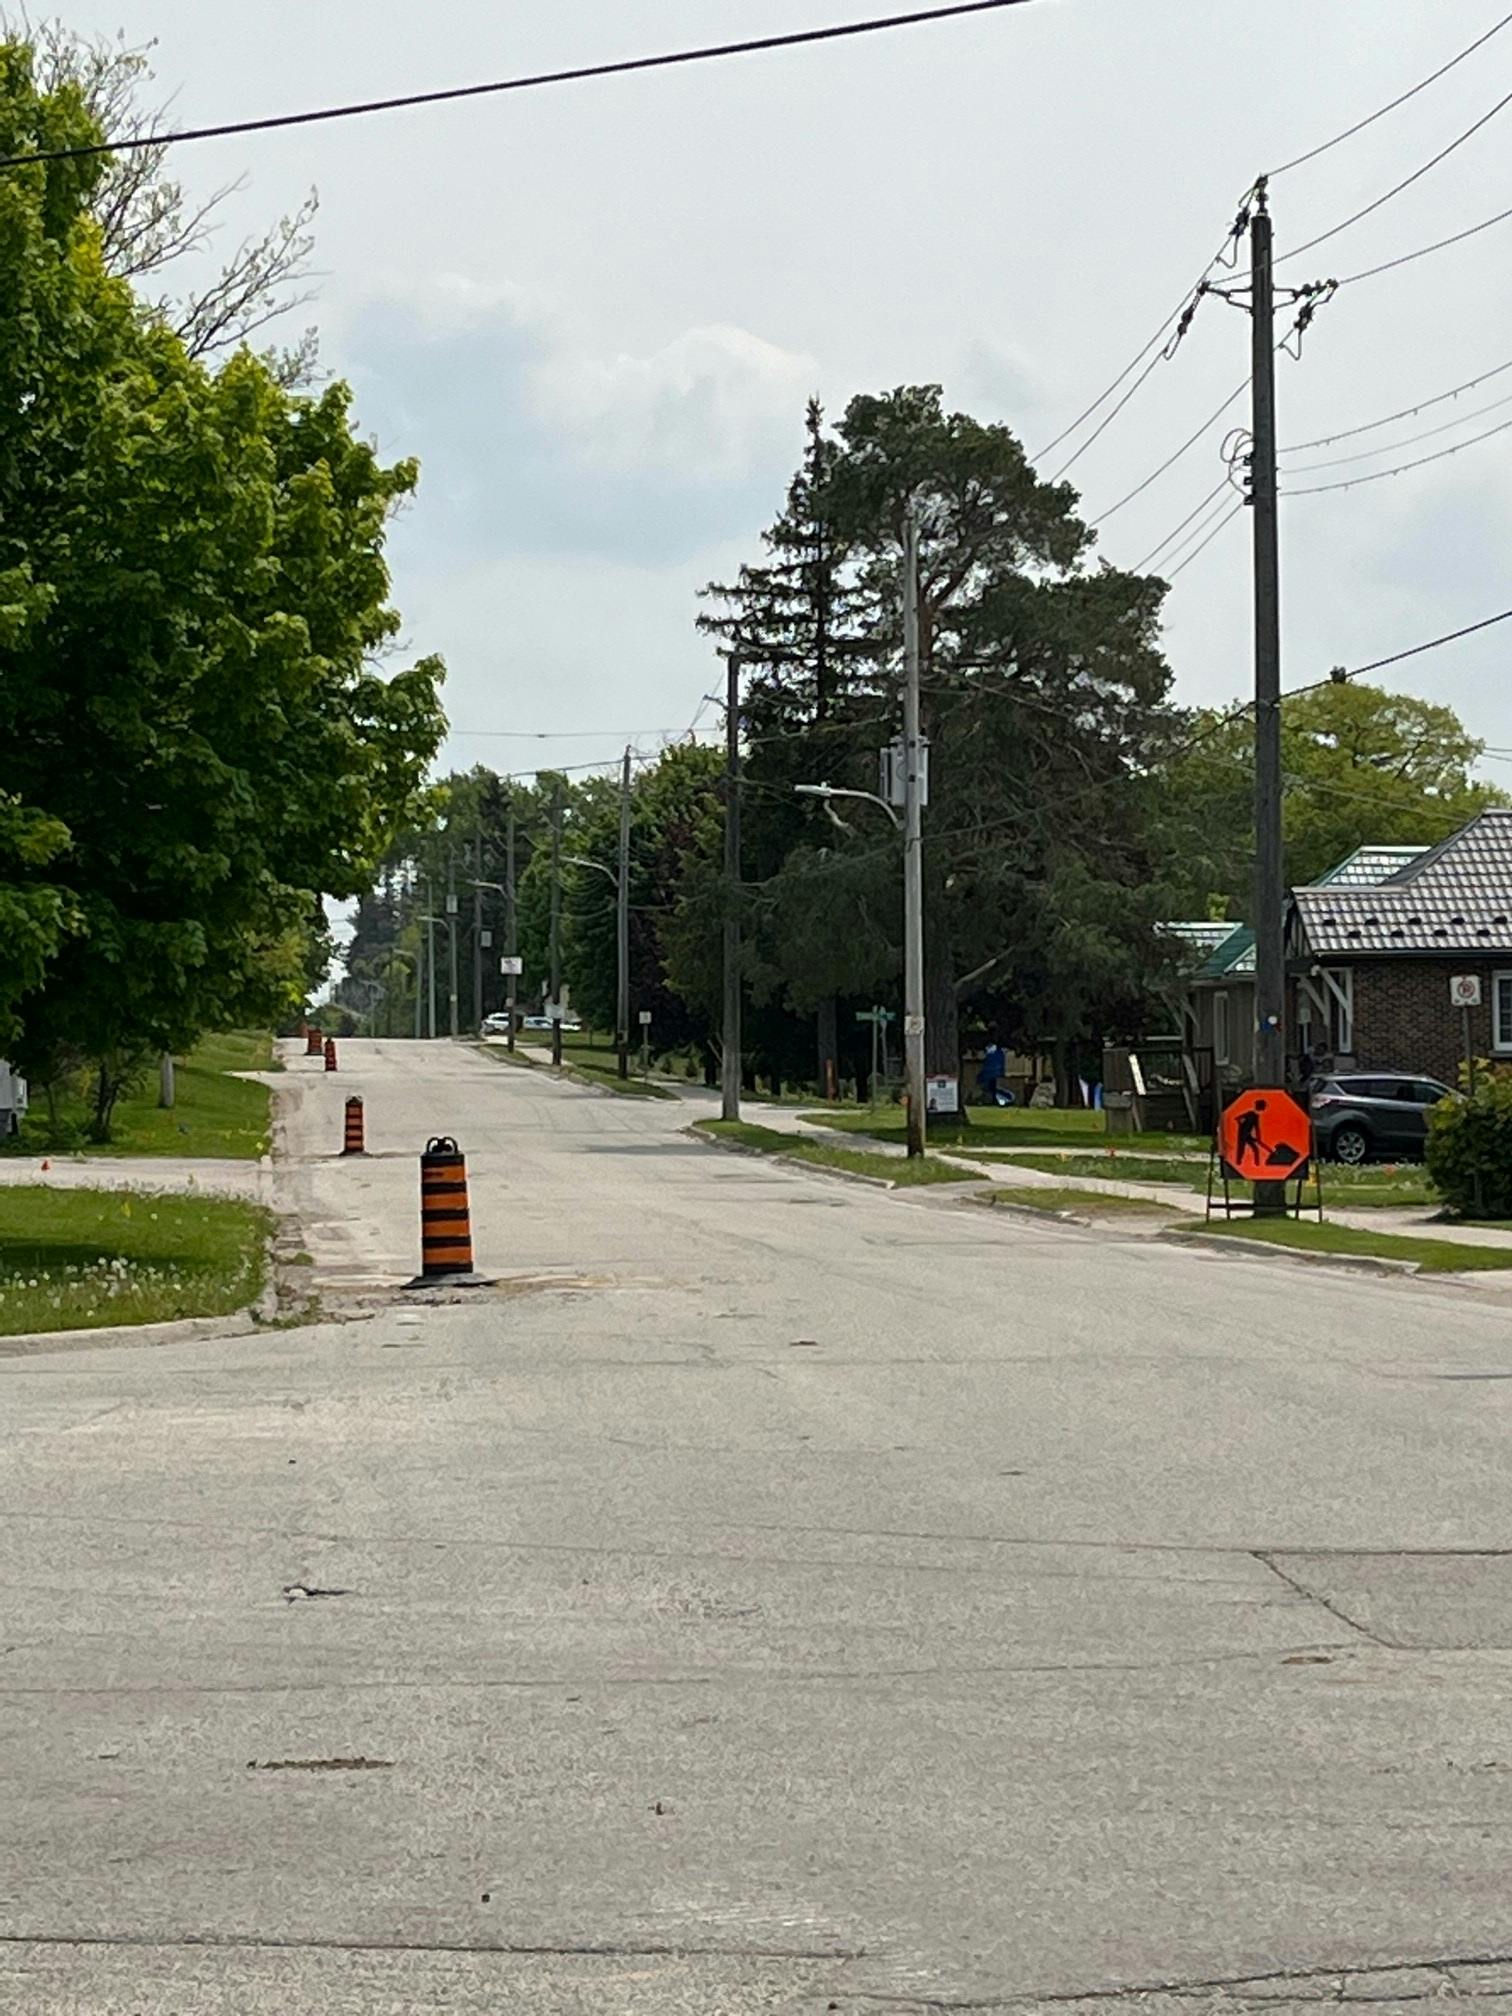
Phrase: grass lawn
[213,1113]
[1088,1203]
[76,1259]
[819,1154]
[1352,1189]
[1433,1256]
[592,1059]
[998,1127]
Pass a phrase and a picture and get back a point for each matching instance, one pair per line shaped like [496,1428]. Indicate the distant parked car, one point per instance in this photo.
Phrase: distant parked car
[536,1022]
[1358,1117]
[496,1025]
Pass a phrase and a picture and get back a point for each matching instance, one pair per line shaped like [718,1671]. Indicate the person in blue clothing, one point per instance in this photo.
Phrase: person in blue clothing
[990,1076]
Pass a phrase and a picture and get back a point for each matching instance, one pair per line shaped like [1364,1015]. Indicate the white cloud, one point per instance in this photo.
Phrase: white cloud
[711,404]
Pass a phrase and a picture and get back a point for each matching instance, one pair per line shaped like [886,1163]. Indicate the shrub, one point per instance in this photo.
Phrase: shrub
[1470,1149]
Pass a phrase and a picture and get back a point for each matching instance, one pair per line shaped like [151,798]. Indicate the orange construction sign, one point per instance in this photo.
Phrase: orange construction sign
[1265,1136]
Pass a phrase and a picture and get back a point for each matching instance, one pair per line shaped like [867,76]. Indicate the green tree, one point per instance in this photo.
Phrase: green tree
[191,668]
[1361,767]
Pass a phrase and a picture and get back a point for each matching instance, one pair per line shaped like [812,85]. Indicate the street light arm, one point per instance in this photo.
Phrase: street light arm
[828,791]
[582,861]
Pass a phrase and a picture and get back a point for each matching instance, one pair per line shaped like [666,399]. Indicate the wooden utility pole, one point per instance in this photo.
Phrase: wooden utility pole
[913,844]
[511,945]
[1270,947]
[622,927]
[477,1020]
[730,1079]
[556,923]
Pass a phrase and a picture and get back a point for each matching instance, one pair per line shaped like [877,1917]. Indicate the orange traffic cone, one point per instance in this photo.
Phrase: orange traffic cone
[355,1143]
[446,1251]
[330,1053]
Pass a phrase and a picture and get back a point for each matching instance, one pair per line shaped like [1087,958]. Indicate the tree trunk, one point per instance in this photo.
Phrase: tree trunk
[710,1068]
[1060,1051]
[829,1046]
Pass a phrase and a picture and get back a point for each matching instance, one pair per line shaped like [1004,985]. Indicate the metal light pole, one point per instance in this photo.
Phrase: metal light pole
[730,1074]
[913,843]
[556,927]
[622,926]
[510,946]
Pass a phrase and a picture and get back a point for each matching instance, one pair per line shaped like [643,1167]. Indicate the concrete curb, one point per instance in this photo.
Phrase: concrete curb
[182,1330]
[818,1168]
[1239,1249]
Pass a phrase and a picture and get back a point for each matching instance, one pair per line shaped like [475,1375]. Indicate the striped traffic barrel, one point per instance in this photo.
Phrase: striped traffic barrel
[355,1142]
[330,1053]
[445,1220]
[313,1043]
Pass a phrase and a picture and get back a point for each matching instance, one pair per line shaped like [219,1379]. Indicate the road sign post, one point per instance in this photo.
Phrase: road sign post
[1465,994]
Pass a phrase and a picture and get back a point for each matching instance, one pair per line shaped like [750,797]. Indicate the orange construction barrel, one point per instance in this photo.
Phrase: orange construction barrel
[355,1142]
[446,1251]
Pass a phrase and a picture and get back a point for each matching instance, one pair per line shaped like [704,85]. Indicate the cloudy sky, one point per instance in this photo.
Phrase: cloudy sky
[595,312]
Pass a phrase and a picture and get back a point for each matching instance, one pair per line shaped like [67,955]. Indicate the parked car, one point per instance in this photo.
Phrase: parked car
[495,1025]
[1359,1115]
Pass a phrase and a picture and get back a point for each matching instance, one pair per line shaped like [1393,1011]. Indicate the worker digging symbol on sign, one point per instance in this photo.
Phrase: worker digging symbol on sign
[1265,1136]
[1248,1141]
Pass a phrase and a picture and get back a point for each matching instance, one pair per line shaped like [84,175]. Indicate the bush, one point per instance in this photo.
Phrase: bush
[1470,1149]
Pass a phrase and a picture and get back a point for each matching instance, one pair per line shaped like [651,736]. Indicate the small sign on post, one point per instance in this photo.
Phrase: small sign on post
[1465,994]
[942,1094]
[512,963]
[645,1018]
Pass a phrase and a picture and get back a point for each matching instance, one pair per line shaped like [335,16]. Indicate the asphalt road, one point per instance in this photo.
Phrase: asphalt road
[776,1595]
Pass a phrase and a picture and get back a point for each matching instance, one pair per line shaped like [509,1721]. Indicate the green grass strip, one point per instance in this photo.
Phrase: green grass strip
[1302,1235]
[820,1155]
[77,1259]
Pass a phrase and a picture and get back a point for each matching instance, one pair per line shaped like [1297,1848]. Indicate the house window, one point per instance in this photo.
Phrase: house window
[1501,1010]
[1221,1027]
[1338,981]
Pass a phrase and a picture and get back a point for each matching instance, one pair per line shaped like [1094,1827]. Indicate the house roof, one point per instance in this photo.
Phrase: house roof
[1368,866]
[1454,898]
[1236,954]
[1201,934]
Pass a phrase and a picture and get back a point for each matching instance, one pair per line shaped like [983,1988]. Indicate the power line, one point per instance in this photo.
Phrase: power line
[1177,557]
[1360,124]
[1206,542]
[1420,462]
[759,45]
[1221,484]
[1175,456]
[1422,252]
[1339,677]
[1404,413]
[1296,251]
[1408,441]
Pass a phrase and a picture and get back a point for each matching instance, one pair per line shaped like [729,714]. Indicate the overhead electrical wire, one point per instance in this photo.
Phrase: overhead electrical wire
[1296,162]
[1175,456]
[751,46]
[1379,202]
[1422,252]
[1339,677]
[1379,475]
[1172,536]
[1227,519]
[1408,441]
[1402,413]
[1422,85]
[1177,556]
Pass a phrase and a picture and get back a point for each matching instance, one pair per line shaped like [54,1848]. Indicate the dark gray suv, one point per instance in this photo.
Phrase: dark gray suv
[1362,1115]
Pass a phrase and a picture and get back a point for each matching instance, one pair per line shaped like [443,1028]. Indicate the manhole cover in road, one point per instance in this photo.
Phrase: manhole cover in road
[1442,1602]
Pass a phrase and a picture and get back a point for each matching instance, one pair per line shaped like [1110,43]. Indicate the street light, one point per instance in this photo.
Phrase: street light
[828,791]
[622,954]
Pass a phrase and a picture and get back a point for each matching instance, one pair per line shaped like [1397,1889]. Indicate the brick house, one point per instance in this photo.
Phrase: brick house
[1370,951]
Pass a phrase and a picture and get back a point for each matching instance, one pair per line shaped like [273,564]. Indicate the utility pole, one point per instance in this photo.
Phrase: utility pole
[913,843]
[477,1016]
[730,1077]
[1270,946]
[556,924]
[622,926]
[428,958]
[451,936]
[510,945]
